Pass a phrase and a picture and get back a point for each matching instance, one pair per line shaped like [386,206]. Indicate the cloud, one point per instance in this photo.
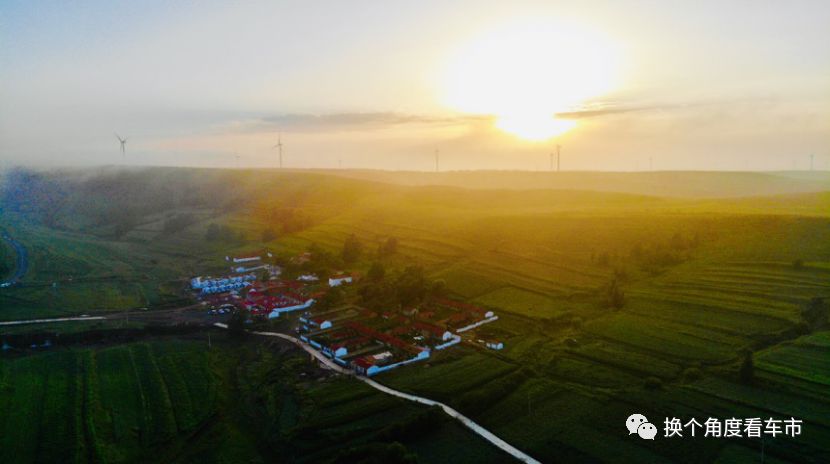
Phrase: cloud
[605,111]
[301,122]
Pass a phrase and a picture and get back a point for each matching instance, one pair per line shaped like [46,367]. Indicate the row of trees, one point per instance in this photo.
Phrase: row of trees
[222,233]
[290,219]
[353,248]
[409,287]
[178,222]
[652,257]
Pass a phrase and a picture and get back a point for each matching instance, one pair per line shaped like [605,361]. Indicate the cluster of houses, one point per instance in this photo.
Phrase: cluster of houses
[372,342]
[208,286]
[268,299]
[274,299]
[369,342]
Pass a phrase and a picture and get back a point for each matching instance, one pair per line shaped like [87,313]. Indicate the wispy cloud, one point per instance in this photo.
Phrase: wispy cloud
[301,122]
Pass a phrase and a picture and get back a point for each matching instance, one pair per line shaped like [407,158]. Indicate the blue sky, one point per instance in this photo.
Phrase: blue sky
[703,85]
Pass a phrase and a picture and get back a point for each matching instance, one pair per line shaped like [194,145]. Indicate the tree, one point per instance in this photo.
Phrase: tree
[351,249]
[614,295]
[388,247]
[212,232]
[236,324]
[268,234]
[376,272]
[333,297]
[815,313]
[411,286]
[379,295]
[747,372]
[438,288]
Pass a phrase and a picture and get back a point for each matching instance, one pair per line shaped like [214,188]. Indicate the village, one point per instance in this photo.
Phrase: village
[367,341]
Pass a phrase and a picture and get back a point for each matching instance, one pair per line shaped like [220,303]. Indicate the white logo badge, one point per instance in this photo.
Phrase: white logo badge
[637,423]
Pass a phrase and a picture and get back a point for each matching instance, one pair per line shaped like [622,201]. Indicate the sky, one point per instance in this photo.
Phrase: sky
[618,85]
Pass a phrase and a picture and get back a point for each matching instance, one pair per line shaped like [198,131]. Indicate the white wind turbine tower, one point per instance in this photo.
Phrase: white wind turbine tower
[123,144]
[279,146]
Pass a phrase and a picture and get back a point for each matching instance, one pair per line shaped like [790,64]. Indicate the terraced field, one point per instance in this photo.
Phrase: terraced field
[105,405]
[704,282]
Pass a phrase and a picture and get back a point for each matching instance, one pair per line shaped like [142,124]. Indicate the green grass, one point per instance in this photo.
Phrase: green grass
[521,302]
[111,404]
[540,258]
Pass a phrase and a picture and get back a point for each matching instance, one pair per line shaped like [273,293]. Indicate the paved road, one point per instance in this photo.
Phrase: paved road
[466,421]
[327,362]
[21,263]
[56,319]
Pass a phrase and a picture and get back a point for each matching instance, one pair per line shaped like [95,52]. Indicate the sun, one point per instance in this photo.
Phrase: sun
[525,72]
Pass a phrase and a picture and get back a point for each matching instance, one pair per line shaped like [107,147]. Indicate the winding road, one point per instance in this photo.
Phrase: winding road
[327,362]
[466,421]
[21,261]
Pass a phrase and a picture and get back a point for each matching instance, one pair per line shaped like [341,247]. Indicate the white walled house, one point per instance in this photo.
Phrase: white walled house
[277,311]
[337,281]
[495,345]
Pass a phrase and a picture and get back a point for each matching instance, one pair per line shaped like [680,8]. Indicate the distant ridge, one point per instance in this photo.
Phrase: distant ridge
[682,184]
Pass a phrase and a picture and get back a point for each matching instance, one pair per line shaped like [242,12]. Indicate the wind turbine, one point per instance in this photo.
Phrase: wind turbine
[279,146]
[558,148]
[123,144]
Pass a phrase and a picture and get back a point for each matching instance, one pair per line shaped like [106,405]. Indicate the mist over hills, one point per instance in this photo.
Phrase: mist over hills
[689,184]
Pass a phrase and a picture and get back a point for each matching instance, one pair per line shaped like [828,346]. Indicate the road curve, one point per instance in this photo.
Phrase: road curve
[21,261]
[466,421]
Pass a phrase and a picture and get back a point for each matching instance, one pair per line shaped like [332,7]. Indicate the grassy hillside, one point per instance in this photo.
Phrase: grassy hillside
[180,401]
[704,281]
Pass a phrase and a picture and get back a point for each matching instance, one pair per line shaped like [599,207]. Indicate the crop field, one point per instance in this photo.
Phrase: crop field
[801,365]
[521,302]
[704,281]
[106,405]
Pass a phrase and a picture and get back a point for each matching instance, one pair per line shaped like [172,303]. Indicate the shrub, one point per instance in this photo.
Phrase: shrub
[692,374]
[653,383]
[268,234]
[614,295]
[351,249]
[746,374]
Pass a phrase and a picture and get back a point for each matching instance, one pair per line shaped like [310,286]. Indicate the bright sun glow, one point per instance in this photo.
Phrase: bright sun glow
[527,71]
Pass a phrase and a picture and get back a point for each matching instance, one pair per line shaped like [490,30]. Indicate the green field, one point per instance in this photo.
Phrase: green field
[712,265]
[104,405]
